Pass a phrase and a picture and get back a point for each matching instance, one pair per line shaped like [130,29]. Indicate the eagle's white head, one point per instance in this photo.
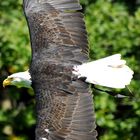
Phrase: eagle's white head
[20,79]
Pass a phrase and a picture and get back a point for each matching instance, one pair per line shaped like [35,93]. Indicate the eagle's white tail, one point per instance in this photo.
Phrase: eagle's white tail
[110,72]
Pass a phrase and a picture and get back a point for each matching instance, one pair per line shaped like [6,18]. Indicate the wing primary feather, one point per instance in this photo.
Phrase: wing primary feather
[66,91]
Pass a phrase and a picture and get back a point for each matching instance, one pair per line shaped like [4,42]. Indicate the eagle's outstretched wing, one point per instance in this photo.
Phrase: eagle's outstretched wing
[58,40]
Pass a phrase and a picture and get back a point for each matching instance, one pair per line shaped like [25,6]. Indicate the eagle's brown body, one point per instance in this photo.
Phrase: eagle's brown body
[58,40]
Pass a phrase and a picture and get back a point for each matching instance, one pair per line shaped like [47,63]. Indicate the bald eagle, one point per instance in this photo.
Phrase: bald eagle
[59,45]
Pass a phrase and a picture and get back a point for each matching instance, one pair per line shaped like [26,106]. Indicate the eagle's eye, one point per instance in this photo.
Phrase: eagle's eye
[11,78]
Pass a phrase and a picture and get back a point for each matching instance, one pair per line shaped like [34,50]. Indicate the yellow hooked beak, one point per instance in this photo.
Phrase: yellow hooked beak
[6,82]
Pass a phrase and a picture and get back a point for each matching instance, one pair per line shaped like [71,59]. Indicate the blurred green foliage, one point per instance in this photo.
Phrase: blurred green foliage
[113,27]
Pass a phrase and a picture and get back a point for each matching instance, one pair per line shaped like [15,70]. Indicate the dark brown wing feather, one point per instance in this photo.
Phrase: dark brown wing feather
[59,41]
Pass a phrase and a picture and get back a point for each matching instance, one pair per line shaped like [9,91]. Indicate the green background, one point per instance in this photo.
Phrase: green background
[113,27]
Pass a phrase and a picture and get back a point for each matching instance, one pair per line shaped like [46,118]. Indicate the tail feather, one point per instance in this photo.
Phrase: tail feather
[110,72]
